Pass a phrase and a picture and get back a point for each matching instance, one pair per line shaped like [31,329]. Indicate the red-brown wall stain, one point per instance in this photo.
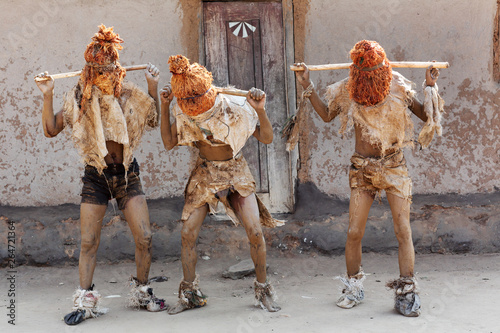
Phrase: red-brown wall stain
[398,54]
[496,45]
[190,31]
[307,128]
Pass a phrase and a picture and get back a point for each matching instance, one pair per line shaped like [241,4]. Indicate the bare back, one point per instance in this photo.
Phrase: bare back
[365,148]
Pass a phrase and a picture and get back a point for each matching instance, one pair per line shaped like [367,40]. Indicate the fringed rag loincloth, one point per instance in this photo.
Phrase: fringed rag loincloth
[213,181]
[387,173]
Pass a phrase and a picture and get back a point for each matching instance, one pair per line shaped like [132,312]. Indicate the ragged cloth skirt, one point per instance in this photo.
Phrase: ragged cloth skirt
[387,173]
[213,181]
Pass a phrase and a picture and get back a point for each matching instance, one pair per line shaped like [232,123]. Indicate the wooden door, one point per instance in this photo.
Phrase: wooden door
[244,48]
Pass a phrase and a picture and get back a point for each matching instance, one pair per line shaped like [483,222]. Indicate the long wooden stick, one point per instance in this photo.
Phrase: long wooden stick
[42,77]
[232,91]
[395,64]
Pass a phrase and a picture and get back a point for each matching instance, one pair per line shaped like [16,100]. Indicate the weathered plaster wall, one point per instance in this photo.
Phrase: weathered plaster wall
[466,158]
[52,35]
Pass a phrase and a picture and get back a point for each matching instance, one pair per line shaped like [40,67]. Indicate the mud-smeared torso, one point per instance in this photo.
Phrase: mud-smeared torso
[231,121]
[387,125]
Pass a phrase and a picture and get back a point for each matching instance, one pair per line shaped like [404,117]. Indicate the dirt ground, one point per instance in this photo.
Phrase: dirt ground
[460,293]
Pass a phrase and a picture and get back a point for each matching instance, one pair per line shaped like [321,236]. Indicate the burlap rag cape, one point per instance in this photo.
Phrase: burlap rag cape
[108,118]
[231,121]
[387,124]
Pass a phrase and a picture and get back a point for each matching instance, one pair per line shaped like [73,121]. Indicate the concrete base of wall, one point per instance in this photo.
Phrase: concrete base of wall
[440,223]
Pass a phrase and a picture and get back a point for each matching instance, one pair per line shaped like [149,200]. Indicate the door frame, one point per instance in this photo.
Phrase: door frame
[277,201]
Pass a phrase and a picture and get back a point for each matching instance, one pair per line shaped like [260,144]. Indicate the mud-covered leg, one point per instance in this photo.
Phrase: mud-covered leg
[85,299]
[400,209]
[137,216]
[141,294]
[407,299]
[90,229]
[189,292]
[247,210]
[353,291]
[359,207]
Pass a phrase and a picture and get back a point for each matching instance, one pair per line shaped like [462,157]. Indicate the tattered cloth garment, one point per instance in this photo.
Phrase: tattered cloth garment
[108,118]
[406,298]
[265,296]
[85,305]
[190,294]
[141,296]
[231,121]
[291,128]
[212,181]
[353,291]
[386,125]
[434,109]
[387,173]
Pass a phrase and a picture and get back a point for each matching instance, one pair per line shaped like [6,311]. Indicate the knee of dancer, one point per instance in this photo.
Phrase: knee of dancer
[143,242]
[355,235]
[255,236]
[89,244]
[404,235]
[188,235]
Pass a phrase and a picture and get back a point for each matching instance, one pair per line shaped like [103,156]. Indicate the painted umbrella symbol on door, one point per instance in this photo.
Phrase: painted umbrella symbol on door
[241,26]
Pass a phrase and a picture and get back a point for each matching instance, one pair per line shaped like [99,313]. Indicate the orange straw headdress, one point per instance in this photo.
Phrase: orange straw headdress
[191,85]
[102,68]
[370,73]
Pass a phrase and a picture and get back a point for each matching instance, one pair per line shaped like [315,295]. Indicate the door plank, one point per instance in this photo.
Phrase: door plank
[239,61]
[244,67]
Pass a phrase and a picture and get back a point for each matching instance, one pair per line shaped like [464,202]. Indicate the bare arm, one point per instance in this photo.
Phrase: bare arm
[319,106]
[418,109]
[431,76]
[168,131]
[152,78]
[52,124]
[257,99]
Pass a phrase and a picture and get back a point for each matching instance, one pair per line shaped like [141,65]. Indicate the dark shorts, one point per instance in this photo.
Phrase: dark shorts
[99,189]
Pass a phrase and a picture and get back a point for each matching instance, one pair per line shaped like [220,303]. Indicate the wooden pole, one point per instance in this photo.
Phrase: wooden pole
[395,64]
[43,77]
[232,91]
